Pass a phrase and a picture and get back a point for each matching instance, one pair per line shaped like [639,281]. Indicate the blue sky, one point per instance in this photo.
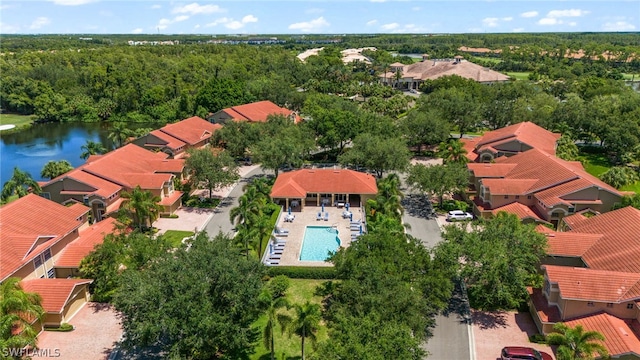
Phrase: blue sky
[308,17]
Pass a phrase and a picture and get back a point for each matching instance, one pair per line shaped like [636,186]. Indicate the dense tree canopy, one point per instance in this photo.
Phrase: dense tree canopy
[211,171]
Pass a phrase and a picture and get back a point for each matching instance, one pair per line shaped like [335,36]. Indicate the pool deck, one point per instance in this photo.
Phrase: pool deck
[307,217]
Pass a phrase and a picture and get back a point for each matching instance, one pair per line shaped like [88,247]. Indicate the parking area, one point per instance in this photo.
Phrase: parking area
[189,219]
[494,330]
[97,328]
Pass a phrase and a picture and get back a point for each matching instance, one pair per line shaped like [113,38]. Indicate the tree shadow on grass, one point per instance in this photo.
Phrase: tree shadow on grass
[489,319]
[267,356]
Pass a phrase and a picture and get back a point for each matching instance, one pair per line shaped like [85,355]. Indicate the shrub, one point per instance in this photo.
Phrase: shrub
[538,339]
[64,327]
[449,205]
[619,176]
[278,285]
[303,272]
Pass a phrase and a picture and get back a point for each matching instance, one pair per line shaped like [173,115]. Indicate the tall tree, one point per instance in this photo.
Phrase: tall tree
[457,106]
[92,148]
[120,133]
[197,303]
[18,310]
[424,127]
[274,304]
[236,137]
[19,184]
[619,176]
[54,168]
[141,206]
[576,343]
[439,179]
[377,153]
[218,94]
[305,323]
[209,170]
[497,260]
[567,149]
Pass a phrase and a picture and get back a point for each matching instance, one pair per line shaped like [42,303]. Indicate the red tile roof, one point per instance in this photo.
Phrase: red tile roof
[546,312]
[258,111]
[524,132]
[620,339]
[191,130]
[569,244]
[619,248]
[170,141]
[171,199]
[486,170]
[437,68]
[551,196]
[522,211]
[77,250]
[594,285]
[509,186]
[29,226]
[54,292]
[296,184]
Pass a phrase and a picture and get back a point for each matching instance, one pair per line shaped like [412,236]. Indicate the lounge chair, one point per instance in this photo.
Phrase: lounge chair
[280,242]
[326,216]
[346,214]
[271,262]
[282,230]
[319,216]
[275,256]
[276,252]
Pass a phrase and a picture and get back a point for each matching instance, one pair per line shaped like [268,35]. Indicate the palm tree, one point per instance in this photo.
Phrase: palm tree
[142,206]
[274,317]
[92,148]
[452,151]
[119,133]
[19,184]
[577,344]
[241,217]
[259,225]
[306,322]
[18,310]
[53,169]
[389,198]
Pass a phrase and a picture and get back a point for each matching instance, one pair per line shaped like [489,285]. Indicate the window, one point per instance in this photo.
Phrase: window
[46,195]
[517,197]
[51,273]
[590,303]
[529,197]
[630,306]
[572,210]
[47,254]
[506,196]
[547,287]
[609,305]
[37,262]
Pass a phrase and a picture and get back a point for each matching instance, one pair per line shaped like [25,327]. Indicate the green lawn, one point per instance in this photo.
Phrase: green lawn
[595,164]
[288,348]
[17,120]
[492,60]
[519,75]
[175,236]
[627,76]
[635,187]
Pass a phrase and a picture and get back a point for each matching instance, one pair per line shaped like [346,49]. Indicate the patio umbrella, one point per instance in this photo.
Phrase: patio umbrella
[322,207]
[360,229]
[347,206]
[289,210]
[351,217]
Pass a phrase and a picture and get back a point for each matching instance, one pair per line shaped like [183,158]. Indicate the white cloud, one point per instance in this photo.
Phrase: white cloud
[219,21]
[529,14]
[409,28]
[234,25]
[137,31]
[490,22]
[618,26]
[249,19]
[508,18]
[567,13]
[549,21]
[517,30]
[310,26]
[8,29]
[195,9]
[164,22]
[39,22]
[391,26]
[156,6]
[181,18]
[372,22]
[71,2]
[572,23]
[197,26]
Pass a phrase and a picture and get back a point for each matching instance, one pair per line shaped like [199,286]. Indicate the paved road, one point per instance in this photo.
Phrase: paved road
[452,336]
[220,221]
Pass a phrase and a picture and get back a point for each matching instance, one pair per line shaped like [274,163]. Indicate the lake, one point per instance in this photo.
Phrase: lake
[31,149]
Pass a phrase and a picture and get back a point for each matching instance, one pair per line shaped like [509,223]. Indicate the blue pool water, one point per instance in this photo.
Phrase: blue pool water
[317,242]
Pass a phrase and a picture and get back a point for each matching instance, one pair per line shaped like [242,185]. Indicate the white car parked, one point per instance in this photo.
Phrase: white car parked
[458,215]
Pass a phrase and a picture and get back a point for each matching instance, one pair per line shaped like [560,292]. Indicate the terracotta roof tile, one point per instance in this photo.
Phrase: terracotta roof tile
[546,312]
[486,170]
[509,186]
[570,244]
[522,211]
[620,339]
[100,186]
[258,111]
[54,292]
[191,130]
[324,181]
[171,199]
[30,225]
[170,141]
[594,285]
[525,132]
[435,69]
[147,181]
[77,250]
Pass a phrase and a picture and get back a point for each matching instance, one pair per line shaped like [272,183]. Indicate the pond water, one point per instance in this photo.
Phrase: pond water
[31,149]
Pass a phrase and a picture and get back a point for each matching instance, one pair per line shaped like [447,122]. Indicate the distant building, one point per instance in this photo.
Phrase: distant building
[175,139]
[348,55]
[253,112]
[413,75]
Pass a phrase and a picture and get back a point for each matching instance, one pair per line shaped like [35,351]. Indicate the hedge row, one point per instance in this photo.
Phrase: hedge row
[303,272]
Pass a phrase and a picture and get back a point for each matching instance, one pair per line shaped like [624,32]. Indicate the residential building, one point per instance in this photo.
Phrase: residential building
[412,76]
[510,140]
[175,139]
[545,188]
[253,112]
[35,235]
[329,187]
[99,183]
[592,278]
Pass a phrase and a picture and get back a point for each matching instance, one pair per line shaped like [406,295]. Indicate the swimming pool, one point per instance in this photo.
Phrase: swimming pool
[317,242]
